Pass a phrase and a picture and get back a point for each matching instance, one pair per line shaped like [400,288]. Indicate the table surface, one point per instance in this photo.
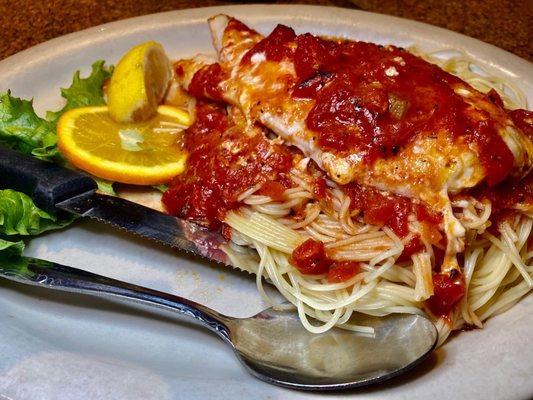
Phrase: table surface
[507,24]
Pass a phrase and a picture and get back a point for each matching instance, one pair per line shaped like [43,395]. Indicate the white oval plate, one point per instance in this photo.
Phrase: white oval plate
[67,347]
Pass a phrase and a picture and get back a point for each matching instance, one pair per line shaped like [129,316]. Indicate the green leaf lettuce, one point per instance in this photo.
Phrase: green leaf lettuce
[10,249]
[20,216]
[23,130]
[84,92]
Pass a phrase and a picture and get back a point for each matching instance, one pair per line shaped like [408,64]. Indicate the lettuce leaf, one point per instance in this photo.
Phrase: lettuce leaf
[20,216]
[161,188]
[10,249]
[105,186]
[11,257]
[23,130]
[84,92]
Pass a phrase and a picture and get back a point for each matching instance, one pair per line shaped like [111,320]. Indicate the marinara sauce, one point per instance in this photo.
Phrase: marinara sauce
[222,163]
[205,82]
[448,290]
[524,120]
[374,100]
[504,197]
[311,258]
[394,211]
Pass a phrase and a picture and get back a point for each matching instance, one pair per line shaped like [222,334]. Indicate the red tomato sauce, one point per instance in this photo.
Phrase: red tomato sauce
[448,292]
[414,246]
[319,189]
[226,231]
[204,83]
[504,197]
[274,190]
[495,97]
[310,258]
[512,191]
[523,119]
[275,46]
[387,209]
[392,211]
[374,99]
[222,163]
[341,271]
[496,158]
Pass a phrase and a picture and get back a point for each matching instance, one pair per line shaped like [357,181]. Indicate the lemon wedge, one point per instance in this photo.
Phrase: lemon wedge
[140,153]
[139,83]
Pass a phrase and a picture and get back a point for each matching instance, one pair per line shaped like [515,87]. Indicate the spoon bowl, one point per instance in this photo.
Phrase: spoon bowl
[275,347]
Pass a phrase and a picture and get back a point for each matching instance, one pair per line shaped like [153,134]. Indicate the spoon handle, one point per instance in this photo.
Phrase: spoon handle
[32,271]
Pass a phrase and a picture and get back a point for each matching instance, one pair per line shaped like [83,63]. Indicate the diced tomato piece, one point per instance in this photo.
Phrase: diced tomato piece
[412,247]
[448,291]
[310,258]
[425,215]
[341,271]
[319,189]
[274,190]
[275,46]
[226,231]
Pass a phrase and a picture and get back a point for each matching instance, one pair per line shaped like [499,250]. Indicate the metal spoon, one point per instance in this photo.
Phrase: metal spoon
[272,345]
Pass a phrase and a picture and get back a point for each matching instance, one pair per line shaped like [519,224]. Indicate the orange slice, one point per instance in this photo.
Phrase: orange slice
[140,153]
